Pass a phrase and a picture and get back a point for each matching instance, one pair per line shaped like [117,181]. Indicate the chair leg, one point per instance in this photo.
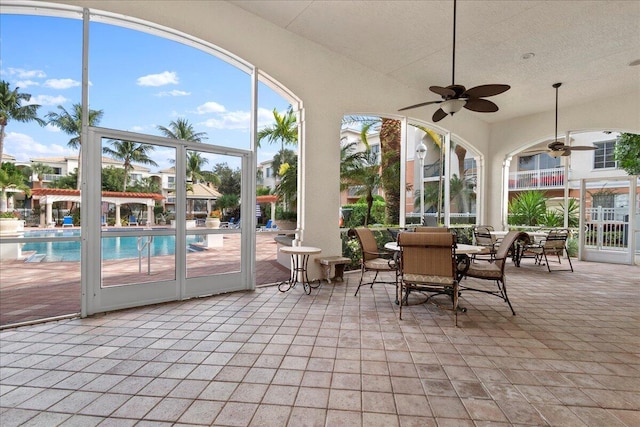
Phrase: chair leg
[503,289]
[455,301]
[401,289]
[569,259]
[360,284]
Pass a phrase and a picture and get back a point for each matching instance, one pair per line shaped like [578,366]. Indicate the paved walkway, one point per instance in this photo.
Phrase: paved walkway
[570,357]
[30,291]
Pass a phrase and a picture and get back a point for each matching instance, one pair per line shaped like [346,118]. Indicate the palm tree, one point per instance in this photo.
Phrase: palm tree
[195,163]
[11,108]
[71,124]
[362,171]
[183,130]
[285,130]
[40,169]
[389,158]
[11,179]
[130,152]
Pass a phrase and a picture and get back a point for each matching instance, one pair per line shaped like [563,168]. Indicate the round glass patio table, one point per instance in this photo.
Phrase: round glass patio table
[299,260]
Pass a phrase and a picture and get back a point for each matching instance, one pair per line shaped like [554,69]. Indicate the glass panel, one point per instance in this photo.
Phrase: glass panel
[136,183]
[40,279]
[171,89]
[462,190]
[213,213]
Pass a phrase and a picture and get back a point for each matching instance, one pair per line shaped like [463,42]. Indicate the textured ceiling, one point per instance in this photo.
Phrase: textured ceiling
[586,45]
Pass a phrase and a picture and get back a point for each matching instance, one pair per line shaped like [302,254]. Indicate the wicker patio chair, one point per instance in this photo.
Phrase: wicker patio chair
[428,264]
[374,259]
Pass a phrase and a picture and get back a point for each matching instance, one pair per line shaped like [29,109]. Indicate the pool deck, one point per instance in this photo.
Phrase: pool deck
[30,291]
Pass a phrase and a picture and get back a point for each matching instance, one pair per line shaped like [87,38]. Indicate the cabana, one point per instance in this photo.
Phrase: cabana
[48,196]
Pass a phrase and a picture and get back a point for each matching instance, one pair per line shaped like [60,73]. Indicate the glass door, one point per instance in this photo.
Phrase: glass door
[153,210]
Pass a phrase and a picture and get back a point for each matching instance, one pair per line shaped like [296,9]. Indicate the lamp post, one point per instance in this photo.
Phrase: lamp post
[421,152]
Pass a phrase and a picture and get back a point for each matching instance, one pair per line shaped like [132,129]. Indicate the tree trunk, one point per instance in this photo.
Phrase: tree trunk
[390,163]
[2,125]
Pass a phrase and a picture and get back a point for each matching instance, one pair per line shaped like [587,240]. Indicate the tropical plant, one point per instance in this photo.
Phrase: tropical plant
[627,153]
[71,124]
[40,170]
[10,215]
[227,180]
[228,202]
[129,152]
[527,208]
[287,188]
[183,130]
[11,178]
[68,181]
[12,107]
[284,130]
[195,163]
[361,171]
[389,131]
[215,214]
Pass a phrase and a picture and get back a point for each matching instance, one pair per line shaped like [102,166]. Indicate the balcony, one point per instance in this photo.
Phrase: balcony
[537,179]
[51,177]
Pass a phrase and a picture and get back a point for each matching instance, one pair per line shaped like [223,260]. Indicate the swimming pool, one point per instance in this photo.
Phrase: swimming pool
[113,248]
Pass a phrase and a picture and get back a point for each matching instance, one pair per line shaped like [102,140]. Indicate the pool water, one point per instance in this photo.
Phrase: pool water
[113,248]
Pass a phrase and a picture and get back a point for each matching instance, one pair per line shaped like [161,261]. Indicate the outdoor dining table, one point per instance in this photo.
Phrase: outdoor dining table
[299,260]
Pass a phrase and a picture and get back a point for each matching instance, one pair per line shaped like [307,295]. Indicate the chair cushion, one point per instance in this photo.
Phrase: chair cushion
[484,270]
[426,278]
[378,264]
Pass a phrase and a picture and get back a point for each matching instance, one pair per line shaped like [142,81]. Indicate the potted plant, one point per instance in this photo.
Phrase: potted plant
[9,222]
[286,220]
[213,220]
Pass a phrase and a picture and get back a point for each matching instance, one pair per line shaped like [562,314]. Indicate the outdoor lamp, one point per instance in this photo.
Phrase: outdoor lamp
[452,106]
[421,151]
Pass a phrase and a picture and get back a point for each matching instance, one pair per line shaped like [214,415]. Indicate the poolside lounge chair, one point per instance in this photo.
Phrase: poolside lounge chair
[133,220]
[67,221]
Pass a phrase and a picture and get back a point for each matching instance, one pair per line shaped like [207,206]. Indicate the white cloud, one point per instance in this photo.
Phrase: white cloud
[24,147]
[210,107]
[26,83]
[230,120]
[137,129]
[26,74]
[47,100]
[164,78]
[51,128]
[174,93]
[61,83]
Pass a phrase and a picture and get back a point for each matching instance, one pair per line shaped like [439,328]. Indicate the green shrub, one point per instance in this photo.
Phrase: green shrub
[358,212]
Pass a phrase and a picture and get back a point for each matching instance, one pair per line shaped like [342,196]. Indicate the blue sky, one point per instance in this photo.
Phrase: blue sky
[139,80]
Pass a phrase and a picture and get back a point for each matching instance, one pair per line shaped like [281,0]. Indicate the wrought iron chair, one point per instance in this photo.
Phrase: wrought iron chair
[494,269]
[483,237]
[554,244]
[428,264]
[374,259]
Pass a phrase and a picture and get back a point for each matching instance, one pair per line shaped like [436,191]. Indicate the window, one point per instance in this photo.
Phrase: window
[537,162]
[603,156]
[269,172]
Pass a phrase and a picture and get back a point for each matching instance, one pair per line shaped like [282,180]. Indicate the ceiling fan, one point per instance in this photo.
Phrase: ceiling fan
[558,148]
[454,96]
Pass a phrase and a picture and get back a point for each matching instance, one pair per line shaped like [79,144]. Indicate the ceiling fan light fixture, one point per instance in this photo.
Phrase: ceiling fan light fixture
[452,106]
[556,154]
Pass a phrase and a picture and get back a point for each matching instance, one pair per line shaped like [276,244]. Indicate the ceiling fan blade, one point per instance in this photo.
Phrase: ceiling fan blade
[480,105]
[445,92]
[581,148]
[422,104]
[486,90]
[533,152]
[439,115]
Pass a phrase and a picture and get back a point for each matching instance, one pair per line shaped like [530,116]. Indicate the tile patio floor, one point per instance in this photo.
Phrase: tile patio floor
[570,357]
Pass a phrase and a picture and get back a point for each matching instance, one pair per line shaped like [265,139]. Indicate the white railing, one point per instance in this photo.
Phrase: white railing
[51,177]
[541,178]
[607,228]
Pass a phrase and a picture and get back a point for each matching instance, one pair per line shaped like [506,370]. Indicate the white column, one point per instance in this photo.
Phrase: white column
[118,222]
[150,219]
[49,209]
